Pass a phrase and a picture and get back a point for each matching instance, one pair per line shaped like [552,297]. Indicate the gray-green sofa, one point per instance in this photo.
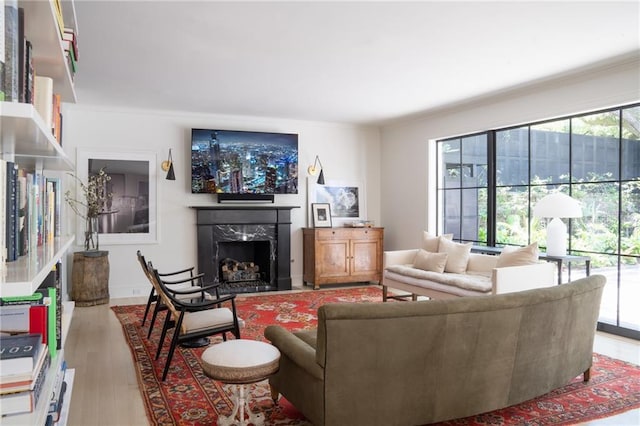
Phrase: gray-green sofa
[412,363]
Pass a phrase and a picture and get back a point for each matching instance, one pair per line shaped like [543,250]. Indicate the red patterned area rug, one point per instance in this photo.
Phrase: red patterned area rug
[188,397]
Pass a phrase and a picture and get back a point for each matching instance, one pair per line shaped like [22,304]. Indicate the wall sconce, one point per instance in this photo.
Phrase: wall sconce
[556,206]
[312,170]
[167,166]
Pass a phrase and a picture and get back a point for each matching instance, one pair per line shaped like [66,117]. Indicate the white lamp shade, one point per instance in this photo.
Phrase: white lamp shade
[557,205]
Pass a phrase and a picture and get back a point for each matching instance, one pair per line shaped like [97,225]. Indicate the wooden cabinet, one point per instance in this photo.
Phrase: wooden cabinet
[342,255]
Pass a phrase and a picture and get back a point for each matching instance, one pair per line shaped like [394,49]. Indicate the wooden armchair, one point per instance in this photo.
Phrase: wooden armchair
[193,319]
[153,295]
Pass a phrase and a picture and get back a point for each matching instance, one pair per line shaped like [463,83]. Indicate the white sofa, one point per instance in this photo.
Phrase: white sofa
[481,275]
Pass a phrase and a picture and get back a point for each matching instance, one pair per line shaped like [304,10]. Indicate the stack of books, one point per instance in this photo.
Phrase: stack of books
[24,362]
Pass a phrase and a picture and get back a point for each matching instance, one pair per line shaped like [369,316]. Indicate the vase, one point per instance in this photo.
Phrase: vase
[91,234]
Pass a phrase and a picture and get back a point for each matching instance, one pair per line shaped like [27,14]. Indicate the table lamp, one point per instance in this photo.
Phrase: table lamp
[557,206]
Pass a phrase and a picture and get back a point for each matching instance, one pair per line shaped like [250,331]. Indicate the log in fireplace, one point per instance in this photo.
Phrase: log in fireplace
[245,248]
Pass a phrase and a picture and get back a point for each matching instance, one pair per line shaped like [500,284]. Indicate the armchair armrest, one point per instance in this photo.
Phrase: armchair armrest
[184,280]
[298,351]
[398,257]
[191,290]
[168,274]
[206,304]
[518,278]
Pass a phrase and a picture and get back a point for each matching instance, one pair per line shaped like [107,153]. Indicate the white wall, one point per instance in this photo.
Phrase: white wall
[408,187]
[349,153]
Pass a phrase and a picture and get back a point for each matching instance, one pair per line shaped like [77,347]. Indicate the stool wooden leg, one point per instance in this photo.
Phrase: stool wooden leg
[241,403]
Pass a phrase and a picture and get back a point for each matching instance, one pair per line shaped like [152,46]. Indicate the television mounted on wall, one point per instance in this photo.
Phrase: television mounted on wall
[243,162]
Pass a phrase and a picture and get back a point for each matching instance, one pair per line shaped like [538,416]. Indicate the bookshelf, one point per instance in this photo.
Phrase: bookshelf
[41,28]
[39,415]
[26,140]
[24,276]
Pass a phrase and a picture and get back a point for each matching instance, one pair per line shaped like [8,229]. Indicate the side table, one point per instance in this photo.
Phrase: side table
[568,258]
[241,362]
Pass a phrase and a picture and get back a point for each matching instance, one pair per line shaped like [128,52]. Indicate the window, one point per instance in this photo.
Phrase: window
[490,182]
[463,180]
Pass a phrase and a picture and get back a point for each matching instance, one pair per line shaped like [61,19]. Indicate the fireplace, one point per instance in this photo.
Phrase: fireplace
[245,248]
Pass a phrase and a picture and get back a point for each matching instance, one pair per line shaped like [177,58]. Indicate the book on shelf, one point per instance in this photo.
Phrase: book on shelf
[28,72]
[11,51]
[43,99]
[11,211]
[56,187]
[31,299]
[25,401]
[3,219]
[12,383]
[58,388]
[38,321]
[14,319]
[19,354]
[70,36]
[1,58]
[55,119]
[51,285]
[59,17]
[23,200]
[54,412]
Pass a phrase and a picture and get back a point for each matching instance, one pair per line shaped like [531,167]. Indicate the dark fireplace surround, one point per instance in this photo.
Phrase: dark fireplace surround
[257,234]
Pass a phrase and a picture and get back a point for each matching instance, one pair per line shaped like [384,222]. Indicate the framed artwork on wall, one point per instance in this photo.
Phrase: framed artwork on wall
[346,199]
[321,215]
[131,215]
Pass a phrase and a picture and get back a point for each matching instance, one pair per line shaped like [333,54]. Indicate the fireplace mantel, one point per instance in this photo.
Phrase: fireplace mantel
[219,223]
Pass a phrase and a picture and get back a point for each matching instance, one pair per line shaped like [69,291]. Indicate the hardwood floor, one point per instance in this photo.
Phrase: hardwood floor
[105,390]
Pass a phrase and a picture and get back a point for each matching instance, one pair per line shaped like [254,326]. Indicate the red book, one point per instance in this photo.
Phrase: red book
[38,321]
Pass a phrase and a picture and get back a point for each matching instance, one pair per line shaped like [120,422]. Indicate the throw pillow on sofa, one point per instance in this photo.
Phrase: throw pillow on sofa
[518,256]
[431,242]
[428,261]
[458,255]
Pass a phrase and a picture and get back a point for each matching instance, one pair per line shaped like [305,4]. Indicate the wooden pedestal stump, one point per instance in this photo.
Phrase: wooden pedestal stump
[90,278]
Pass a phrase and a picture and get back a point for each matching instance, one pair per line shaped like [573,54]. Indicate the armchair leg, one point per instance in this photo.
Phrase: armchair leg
[384,293]
[167,320]
[151,299]
[174,343]
[586,376]
[156,309]
[274,394]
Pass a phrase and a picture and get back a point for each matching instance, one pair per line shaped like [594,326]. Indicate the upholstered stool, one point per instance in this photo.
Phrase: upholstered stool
[241,362]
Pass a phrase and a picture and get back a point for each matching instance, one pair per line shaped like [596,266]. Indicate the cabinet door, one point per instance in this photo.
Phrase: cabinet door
[332,258]
[364,257]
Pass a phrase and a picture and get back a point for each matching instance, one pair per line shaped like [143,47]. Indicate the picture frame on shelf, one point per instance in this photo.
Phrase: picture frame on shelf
[132,216]
[321,215]
[346,199]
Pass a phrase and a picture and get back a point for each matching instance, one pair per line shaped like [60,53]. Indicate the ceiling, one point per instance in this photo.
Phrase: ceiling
[353,62]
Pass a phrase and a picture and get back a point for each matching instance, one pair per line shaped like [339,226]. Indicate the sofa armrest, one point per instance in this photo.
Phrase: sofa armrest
[398,257]
[294,348]
[518,278]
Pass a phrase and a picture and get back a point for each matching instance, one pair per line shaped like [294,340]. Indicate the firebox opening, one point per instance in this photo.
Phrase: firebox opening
[245,267]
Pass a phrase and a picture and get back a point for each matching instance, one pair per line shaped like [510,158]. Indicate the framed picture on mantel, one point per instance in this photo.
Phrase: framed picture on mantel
[131,216]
